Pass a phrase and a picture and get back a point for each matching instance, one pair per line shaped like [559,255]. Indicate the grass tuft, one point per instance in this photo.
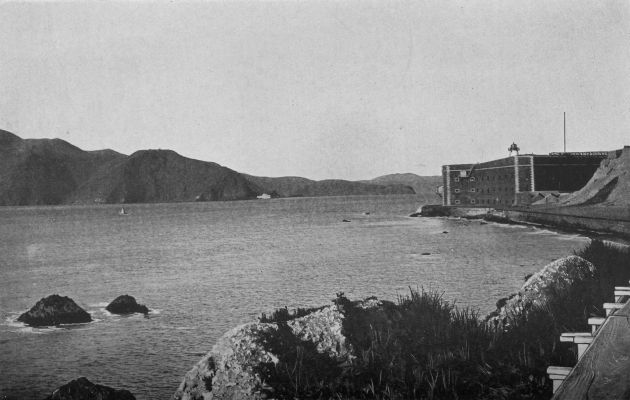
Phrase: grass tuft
[284,314]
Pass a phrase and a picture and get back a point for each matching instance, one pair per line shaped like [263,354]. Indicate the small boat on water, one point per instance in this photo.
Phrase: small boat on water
[123,211]
[264,196]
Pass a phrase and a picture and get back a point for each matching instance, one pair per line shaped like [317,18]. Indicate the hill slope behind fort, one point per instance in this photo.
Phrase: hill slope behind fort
[609,186]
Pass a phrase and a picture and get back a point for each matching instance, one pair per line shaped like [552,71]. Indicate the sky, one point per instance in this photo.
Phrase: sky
[335,89]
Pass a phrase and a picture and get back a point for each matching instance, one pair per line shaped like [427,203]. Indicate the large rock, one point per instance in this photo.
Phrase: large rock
[240,363]
[55,310]
[554,279]
[83,389]
[126,304]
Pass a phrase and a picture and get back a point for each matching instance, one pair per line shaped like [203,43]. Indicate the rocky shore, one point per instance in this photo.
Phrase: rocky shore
[419,347]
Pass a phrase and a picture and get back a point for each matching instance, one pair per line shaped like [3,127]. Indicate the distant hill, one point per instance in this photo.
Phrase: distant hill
[422,185]
[53,171]
[336,187]
[150,176]
[293,186]
[285,186]
[44,171]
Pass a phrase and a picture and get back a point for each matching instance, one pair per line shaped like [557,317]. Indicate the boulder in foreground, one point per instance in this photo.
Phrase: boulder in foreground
[555,280]
[242,364]
[55,310]
[83,389]
[126,304]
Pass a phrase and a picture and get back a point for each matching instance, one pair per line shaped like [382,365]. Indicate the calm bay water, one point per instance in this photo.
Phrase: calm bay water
[203,268]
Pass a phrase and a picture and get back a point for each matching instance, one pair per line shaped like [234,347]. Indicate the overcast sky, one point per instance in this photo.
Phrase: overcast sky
[343,89]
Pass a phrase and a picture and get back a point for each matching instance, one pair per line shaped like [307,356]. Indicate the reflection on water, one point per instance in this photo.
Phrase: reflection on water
[204,267]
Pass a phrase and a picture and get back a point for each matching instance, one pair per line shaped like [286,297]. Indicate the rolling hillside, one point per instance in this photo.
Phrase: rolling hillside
[293,186]
[53,171]
[609,186]
[150,176]
[45,171]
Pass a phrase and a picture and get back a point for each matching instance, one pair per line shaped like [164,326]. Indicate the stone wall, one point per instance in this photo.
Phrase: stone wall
[570,219]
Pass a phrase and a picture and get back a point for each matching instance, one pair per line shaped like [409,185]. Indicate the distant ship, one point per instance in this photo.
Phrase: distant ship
[122,211]
[264,196]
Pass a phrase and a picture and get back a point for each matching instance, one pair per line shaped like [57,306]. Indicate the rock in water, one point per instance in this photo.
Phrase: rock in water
[126,304]
[83,389]
[55,310]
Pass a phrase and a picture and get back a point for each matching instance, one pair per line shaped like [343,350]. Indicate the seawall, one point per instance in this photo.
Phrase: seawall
[613,220]
[567,218]
[434,210]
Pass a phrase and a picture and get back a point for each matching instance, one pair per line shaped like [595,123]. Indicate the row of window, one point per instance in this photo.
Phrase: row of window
[473,190]
[487,177]
[485,201]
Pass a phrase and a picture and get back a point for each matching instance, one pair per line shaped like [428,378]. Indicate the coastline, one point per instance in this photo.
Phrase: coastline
[614,231]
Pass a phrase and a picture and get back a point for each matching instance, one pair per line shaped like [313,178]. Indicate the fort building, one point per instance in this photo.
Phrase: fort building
[517,179]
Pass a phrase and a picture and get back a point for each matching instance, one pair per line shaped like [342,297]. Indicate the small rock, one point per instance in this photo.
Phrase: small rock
[416,214]
[83,389]
[126,304]
[426,254]
[55,310]
[345,220]
[444,231]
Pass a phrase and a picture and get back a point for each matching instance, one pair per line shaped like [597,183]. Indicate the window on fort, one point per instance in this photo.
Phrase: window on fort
[473,190]
[456,190]
[456,179]
[456,201]
[472,178]
[472,201]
